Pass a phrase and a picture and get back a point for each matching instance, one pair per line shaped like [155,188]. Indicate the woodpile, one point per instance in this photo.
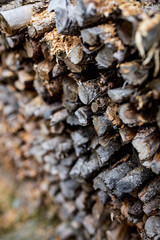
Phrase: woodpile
[80,111]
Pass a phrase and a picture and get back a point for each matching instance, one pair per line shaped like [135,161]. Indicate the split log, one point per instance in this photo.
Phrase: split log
[59,116]
[127,134]
[15,40]
[114,175]
[84,115]
[59,69]
[146,142]
[65,19]
[133,118]
[105,58]
[86,13]
[155,165]
[43,69]
[70,90]
[33,49]
[99,105]
[134,73]
[152,207]
[15,19]
[104,153]
[136,210]
[132,181]
[88,91]
[101,125]
[119,95]
[40,24]
[152,227]
[150,191]
[127,27]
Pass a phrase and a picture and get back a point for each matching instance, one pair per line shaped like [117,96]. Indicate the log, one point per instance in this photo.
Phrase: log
[134,73]
[146,142]
[136,210]
[84,115]
[150,190]
[104,153]
[155,165]
[112,177]
[15,40]
[88,91]
[65,19]
[127,134]
[59,116]
[15,19]
[152,227]
[119,95]
[41,24]
[132,181]
[99,105]
[86,13]
[70,90]
[59,69]
[105,57]
[152,207]
[127,27]
[43,69]
[33,49]
[133,118]
[101,125]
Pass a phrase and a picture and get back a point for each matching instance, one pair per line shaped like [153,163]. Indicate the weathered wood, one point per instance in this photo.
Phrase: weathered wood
[136,210]
[127,134]
[134,73]
[150,190]
[75,171]
[86,13]
[132,181]
[127,27]
[43,69]
[65,19]
[70,90]
[105,58]
[33,49]
[146,142]
[103,196]
[101,125]
[152,227]
[88,91]
[25,80]
[59,116]
[155,165]
[84,115]
[152,207]
[56,106]
[41,24]
[104,123]
[112,114]
[116,174]
[15,19]
[105,152]
[133,118]
[99,104]
[120,95]
[15,40]
[54,87]
[69,188]
[59,69]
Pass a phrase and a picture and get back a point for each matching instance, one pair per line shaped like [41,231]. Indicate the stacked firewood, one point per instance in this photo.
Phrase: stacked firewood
[79,91]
